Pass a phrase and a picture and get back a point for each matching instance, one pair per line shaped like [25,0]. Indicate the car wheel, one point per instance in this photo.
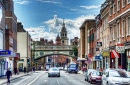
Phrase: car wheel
[85,79]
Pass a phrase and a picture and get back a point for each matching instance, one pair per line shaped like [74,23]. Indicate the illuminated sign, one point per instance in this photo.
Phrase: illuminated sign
[7,53]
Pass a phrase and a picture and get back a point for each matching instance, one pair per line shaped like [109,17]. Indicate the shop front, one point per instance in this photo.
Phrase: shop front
[98,61]
[5,61]
[105,59]
[127,52]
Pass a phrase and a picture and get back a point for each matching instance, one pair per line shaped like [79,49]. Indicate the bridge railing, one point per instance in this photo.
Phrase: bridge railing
[67,47]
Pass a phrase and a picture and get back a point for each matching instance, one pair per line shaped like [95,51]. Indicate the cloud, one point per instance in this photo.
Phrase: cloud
[55,25]
[91,7]
[49,1]
[72,25]
[22,2]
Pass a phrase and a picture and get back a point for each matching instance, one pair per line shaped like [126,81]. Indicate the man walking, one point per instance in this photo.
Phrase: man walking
[8,74]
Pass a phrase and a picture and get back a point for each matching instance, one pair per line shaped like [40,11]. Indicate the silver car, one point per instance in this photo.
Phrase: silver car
[115,77]
[54,72]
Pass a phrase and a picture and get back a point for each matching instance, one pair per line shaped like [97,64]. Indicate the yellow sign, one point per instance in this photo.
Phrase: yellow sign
[106,54]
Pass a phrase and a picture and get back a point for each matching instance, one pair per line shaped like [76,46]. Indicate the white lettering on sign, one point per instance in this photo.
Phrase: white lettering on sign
[120,49]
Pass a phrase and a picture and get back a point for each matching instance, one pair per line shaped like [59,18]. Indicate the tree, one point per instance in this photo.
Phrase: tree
[75,50]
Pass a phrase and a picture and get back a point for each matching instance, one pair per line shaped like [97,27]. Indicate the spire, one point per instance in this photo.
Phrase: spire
[63,29]
[58,36]
[63,23]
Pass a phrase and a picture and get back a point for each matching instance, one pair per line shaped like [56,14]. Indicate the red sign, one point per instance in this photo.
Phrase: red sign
[120,44]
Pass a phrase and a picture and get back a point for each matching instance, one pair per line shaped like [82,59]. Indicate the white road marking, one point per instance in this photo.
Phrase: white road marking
[45,81]
[58,82]
[34,80]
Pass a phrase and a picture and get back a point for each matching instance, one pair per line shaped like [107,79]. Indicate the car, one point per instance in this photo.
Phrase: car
[87,72]
[54,72]
[73,68]
[115,77]
[95,76]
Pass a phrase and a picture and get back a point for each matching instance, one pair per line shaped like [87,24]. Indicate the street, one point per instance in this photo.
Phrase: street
[41,78]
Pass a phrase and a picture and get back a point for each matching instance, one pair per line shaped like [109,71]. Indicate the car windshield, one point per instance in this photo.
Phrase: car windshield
[54,69]
[118,74]
[72,66]
[96,73]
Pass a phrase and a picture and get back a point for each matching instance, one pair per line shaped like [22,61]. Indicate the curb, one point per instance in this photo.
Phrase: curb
[16,78]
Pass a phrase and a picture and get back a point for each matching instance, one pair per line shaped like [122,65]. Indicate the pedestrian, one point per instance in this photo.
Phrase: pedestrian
[24,69]
[15,71]
[18,71]
[8,74]
[33,68]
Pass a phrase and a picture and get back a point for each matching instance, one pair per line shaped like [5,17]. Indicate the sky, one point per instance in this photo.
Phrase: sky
[44,18]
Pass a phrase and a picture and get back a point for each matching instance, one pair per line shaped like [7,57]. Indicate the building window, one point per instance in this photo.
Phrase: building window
[114,8]
[123,3]
[128,25]
[115,32]
[111,33]
[111,10]
[118,5]
[123,27]
[118,30]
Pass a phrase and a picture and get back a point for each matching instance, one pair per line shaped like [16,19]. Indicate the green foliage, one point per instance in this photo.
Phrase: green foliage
[75,50]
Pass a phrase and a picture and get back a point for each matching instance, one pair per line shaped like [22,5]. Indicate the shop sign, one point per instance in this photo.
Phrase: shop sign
[7,53]
[99,44]
[120,48]
[105,54]
[98,57]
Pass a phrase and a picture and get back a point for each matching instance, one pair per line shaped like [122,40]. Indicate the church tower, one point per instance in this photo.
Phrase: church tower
[63,35]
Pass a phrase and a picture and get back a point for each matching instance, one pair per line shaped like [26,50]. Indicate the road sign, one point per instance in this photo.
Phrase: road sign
[120,48]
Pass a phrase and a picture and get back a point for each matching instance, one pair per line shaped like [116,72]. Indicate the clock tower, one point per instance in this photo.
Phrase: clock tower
[63,35]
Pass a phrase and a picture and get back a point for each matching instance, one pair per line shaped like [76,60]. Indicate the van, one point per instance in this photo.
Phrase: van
[73,68]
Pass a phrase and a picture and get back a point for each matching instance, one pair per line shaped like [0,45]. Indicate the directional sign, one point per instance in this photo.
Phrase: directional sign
[120,48]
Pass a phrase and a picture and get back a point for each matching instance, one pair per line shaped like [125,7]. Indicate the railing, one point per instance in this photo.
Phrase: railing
[66,47]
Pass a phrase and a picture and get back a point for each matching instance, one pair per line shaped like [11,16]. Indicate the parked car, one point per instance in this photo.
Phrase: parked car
[54,72]
[115,77]
[87,73]
[95,76]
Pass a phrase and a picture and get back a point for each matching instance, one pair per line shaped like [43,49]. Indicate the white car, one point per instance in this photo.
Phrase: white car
[115,77]
[54,72]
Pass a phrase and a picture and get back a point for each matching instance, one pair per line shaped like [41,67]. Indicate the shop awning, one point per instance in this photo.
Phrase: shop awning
[114,54]
[7,53]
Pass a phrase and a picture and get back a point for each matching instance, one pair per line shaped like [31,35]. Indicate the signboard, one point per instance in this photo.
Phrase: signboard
[98,57]
[99,44]
[120,48]
[7,53]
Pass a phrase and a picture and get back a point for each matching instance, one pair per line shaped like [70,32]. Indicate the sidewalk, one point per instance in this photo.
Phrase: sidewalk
[80,72]
[4,80]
